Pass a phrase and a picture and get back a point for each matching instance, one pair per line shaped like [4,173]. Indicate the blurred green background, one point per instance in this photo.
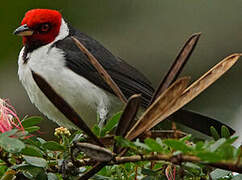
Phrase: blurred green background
[147,34]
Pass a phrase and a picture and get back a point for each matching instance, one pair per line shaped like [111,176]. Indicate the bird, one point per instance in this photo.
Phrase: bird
[49,51]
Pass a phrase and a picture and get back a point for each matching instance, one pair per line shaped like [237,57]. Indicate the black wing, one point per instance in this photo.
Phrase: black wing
[129,80]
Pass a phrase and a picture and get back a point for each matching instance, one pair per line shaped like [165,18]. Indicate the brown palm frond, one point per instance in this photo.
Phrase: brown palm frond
[177,65]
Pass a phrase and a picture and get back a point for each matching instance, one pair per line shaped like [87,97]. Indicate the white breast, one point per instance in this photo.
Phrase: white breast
[86,98]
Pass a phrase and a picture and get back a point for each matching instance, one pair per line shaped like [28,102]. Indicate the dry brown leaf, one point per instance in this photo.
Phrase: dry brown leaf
[102,72]
[200,85]
[95,152]
[127,118]
[177,65]
[164,101]
[64,107]
[128,115]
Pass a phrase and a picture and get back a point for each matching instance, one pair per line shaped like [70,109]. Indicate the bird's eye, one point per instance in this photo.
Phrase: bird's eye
[44,27]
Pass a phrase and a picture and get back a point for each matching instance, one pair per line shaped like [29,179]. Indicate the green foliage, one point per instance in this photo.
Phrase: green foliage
[32,157]
[11,144]
[53,146]
[153,145]
[214,133]
[225,132]
[35,161]
[177,145]
[32,129]
[111,124]
[30,150]
[219,173]
[31,121]
[108,127]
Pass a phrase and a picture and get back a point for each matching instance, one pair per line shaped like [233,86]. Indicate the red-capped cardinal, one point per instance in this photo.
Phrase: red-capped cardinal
[50,52]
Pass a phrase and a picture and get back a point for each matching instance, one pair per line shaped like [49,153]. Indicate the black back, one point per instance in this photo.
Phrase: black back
[129,80]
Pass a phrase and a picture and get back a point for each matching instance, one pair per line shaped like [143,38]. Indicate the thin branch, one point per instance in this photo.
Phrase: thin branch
[95,169]
[103,73]
[163,134]
[227,165]
[108,141]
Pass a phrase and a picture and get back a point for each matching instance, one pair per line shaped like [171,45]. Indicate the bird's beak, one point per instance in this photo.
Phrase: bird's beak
[23,30]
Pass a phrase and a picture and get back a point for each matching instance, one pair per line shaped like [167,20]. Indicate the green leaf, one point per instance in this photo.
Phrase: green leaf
[21,134]
[35,161]
[53,146]
[227,151]
[112,123]
[42,176]
[12,145]
[153,145]
[177,145]
[34,171]
[214,133]
[28,170]
[199,146]
[3,169]
[32,151]
[209,156]
[186,138]
[192,165]
[148,172]
[22,166]
[149,178]
[31,121]
[219,173]
[27,175]
[100,177]
[77,136]
[217,144]
[52,176]
[33,141]
[158,165]
[124,142]
[159,141]
[237,152]
[142,145]
[96,130]
[42,141]
[231,140]
[32,129]
[9,133]
[225,132]
[193,168]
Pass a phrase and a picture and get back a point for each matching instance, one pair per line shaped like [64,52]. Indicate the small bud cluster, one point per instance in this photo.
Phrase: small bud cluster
[62,131]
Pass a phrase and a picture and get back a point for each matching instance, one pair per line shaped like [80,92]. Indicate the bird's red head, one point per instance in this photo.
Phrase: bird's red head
[39,27]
